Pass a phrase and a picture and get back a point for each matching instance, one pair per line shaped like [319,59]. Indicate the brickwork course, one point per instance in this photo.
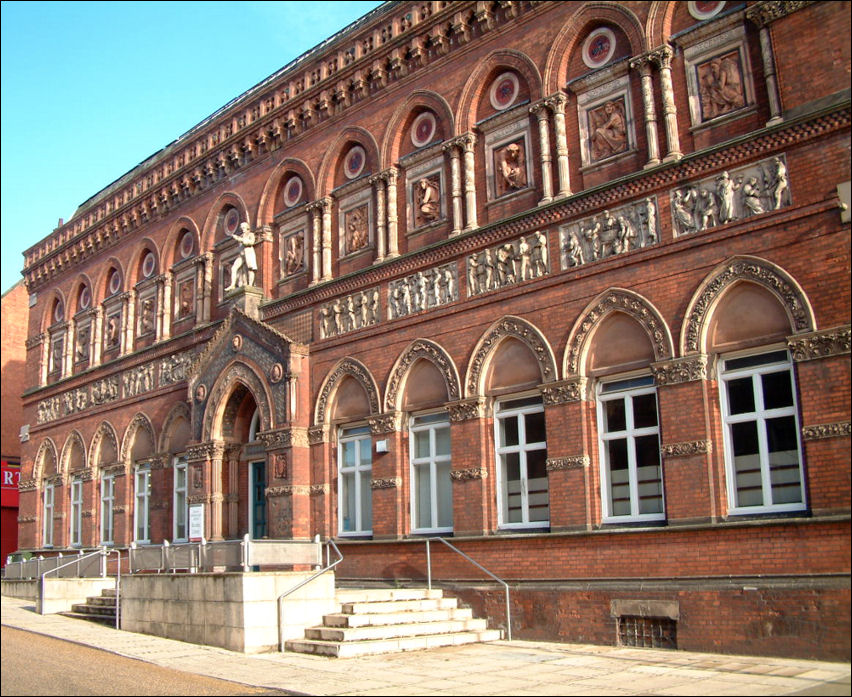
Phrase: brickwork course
[566,281]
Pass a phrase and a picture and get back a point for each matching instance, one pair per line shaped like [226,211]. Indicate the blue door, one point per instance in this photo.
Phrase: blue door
[258,499]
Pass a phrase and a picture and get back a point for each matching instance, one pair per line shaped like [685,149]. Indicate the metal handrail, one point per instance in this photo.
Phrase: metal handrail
[76,560]
[107,551]
[477,565]
[327,567]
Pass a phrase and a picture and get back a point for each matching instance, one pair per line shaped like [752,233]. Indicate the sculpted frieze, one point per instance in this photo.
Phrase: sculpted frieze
[347,314]
[818,432]
[554,464]
[822,344]
[467,409]
[389,483]
[422,291]
[385,423]
[317,434]
[687,448]
[469,474]
[27,485]
[680,370]
[508,264]
[566,391]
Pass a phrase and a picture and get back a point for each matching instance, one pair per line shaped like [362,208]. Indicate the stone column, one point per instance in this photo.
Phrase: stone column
[129,317]
[540,111]
[663,57]
[164,301]
[378,183]
[468,142]
[69,349]
[455,187]
[45,359]
[315,210]
[556,104]
[643,65]
[392,176]
[95,336]
[204,288]
[770,78]
[326,203]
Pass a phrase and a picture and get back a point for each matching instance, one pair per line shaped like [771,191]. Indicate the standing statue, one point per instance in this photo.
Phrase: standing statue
[779,182]
[539,254]
[725,188]
[245,265]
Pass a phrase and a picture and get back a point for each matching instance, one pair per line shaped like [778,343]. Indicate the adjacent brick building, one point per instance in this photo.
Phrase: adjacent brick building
[566,281]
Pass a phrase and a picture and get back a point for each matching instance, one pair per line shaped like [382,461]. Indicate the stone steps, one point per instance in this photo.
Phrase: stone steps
[375,621]
[100,608]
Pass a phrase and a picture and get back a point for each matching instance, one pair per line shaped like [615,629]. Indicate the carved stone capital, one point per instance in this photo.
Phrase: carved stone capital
[842,429]
[201,498]
[557,102]
[821,344]
[115,470]
[284,438]
[662,56]
[466,409]
[35,341]
[27,519]
[27,485]
[641,63]
[318,434]
[389,422]
[678,370]
[469,474]
[567,463]
[319,489]
[204,451]
[763,13]
[687,448]
[287,490]
[573,390]
[388,483]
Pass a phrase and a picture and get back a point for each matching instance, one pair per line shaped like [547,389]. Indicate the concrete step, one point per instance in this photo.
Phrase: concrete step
[378,646]
[101,600]
[373,595]
[394,606]
[108,620]
[108,593]
[394,631]
[375,619]
[95,610]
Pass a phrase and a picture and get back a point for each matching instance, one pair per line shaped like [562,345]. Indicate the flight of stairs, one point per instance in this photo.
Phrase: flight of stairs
[386,620]
[99,608]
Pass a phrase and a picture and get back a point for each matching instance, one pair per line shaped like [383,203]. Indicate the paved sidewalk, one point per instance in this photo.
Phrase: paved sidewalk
[498,668]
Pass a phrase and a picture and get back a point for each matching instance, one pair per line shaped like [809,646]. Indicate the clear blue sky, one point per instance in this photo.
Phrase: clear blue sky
[91,89]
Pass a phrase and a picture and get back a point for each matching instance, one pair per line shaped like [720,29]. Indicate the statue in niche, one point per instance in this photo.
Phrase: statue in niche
[356,229]
[56,356]
[427,201]
[720,86]
[245,265]
[608,129]
[83,344]
[185,307]
[779,182]
[146,319]
[512,168]
[112,331]
[574,251]
[751,196]
[295,254]
[539,254]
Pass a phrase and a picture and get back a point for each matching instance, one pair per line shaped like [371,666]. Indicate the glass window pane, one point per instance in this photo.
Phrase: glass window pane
[619,477]
[366,448]
[777,390]
[349,454]
[740,396]
[645,410]
[512,492]
[784,471]
[423,497]
[508,431]
[442,440]
[347,500]
[747,464]
[534,425]
[421,444]
[537,491]
[366,502]
[648,475]
[615,416]
[445,495]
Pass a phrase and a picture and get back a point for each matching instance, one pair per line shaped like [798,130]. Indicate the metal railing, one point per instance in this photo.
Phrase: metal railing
[478,566]
[36,566]
[328,567]
[79,570]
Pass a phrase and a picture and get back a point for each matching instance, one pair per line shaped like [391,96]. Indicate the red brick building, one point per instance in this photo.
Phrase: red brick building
[567,281]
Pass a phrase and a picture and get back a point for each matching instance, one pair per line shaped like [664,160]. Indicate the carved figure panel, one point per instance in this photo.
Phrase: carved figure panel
[607,129]
[423,290]
[720,85]
[357,232]
[510,167]
[293,253]
[147,308]
[84,335]
[349,313]
[427,196]
[186,298]
[507,264]
[112,330]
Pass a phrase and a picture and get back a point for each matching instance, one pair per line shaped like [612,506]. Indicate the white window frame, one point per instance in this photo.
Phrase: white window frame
[48,494]
[76,520]
[625,389]
[142,507]
[430,424]
[107,505]
[522,448]
[180,501]
[760,415]
[354,434]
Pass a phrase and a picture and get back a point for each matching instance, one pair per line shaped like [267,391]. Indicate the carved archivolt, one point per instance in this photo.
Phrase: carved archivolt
[74,439]
[687,448]
[180,411]
[735,270]
[355,369]
[616,300]
[46,453]
[237,373]
[140,421]
[104,434]
[429,350]
[509,327]
[829,342]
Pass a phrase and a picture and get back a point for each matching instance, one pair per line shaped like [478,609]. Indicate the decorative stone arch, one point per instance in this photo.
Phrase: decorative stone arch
[266,208]
[658,26]
[82,281]
[333,153]
[699,312]
[505,328]
[346,367]
[416,350]
[69,460]
[101,290]
[238,373]
[172,428]
[615,300]
[103,450]
[567,42]
[47,314]
[476,87]
[138,424]
[168,255]
[394,134]
[143,246]
[208,229]
[46,459]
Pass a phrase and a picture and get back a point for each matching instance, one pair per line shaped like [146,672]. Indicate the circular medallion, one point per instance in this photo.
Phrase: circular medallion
[705,10]
[423,129]
[276,373]
[148,264]
[354,163]
[599,47]
[114,282]
[187,244]
[293,191]
[504,91]
[231,221]
[58,312]
[85,298]
[237,342]
[200,393]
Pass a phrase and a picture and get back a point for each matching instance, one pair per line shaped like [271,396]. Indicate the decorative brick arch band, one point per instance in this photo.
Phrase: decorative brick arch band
[346,367]
[180,411]
[435,354]
[139,422]
[616,300]
[74,438]
[394,134]
[508,327]
[746,268]
[236,373]
[46,449]
[105,432]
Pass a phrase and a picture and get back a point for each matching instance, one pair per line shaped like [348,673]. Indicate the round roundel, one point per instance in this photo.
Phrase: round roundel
[293,191]
[114,282]
[85,298]
[58,312]
[148,264]
[232,221]
[599,47]
[354,163]
[423,129]
[705,10]
[504,91]
[187,244]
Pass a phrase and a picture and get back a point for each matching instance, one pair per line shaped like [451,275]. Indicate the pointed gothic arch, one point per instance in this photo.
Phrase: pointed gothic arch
[140,426]
[73,456]
[103,450]
[46,460]
[239,375]
[346,367]
[426,350]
